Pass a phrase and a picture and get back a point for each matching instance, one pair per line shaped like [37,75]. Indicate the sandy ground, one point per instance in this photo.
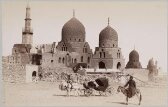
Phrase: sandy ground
[48,94]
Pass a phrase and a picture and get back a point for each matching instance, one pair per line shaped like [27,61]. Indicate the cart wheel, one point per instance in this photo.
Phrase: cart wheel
[88,92]
[109,91]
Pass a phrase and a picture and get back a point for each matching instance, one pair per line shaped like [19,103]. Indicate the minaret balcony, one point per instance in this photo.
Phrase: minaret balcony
[27,30]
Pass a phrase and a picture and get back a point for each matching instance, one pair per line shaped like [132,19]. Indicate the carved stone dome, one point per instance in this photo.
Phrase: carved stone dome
[73,30]
[108,37]
[134,56]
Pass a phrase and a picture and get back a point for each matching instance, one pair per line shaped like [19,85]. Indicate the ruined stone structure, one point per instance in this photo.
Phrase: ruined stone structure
[21,53]
[152,67]
[72,50]
[133,60]
[108,55]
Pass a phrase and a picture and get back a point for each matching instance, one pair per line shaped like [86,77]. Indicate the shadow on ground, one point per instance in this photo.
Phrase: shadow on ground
[123,103]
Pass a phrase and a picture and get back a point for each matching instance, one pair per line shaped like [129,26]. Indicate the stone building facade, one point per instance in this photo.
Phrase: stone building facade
[71,50]
[108,55]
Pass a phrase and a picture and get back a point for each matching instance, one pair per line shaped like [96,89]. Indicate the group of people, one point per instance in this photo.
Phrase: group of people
[130,84]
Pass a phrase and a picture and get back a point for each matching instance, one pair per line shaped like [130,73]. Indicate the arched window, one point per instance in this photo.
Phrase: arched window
[79,40]
[64,48]
[72,60]
[113,45]
[59,61]
[63,60]
[119,55]
[88,60]
[75,60]
[81,58]
[85,49]
[100,54]
[104,54]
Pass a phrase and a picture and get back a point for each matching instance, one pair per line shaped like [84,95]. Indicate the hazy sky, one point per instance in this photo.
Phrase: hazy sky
[143,23]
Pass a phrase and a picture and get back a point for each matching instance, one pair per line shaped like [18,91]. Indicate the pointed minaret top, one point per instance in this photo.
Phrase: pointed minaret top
[28,10]
[134,46]
[28,6]
[73,12]
[108,21]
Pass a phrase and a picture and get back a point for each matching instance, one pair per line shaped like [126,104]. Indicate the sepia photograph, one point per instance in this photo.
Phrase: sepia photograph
[84,53]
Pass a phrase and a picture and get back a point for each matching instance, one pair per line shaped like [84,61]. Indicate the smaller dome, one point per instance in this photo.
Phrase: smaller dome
[151,62]
[134,56]
[108,33]
[108,37]
[133,60]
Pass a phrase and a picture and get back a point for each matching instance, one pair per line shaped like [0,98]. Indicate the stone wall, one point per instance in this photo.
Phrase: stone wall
[14,73]
[110,57]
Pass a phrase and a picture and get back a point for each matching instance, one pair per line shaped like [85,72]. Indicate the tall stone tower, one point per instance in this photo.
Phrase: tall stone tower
[27,32]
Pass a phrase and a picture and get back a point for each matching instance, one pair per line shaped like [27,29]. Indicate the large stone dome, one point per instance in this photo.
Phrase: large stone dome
[134,56]
[73,31]
[108,37]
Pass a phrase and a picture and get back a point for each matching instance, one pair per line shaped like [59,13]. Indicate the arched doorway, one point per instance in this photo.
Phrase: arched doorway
[102,65]
[118,65]
[34,74]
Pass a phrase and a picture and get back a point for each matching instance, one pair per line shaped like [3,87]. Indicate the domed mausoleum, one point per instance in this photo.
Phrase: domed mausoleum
[133,60]
[73,42]
[108,55]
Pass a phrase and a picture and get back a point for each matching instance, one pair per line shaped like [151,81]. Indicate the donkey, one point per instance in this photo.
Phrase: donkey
[125,92]
[70,87]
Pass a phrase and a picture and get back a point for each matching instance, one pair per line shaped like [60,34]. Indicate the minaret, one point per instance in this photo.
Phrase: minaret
[27,32]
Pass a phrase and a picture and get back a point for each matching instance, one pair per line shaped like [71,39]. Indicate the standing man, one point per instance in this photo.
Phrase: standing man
[69,80]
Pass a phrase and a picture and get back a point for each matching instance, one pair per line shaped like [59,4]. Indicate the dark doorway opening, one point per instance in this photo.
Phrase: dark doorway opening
[34,74]
[118,65]
[102,65]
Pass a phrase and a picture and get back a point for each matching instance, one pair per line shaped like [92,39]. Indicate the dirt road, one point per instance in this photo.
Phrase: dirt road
[48,94]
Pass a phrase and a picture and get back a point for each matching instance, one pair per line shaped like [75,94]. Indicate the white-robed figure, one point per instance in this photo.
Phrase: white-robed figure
[36,79]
